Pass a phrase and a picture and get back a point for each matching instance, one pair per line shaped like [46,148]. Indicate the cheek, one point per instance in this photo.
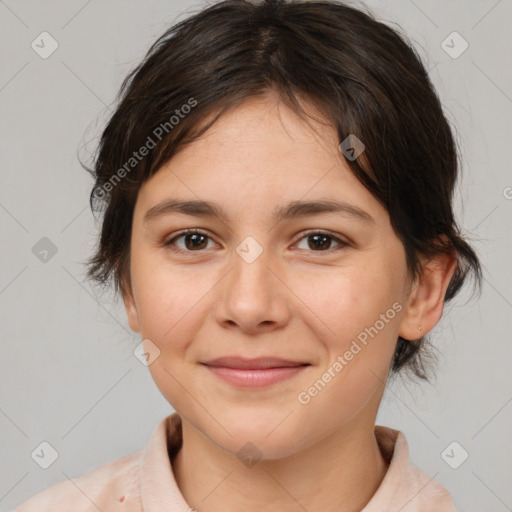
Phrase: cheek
[343,301]
[170,303]
[361,308]
[169,299]
[357,311]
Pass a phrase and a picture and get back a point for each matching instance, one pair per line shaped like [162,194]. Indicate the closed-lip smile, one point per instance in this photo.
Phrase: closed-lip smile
[255,372]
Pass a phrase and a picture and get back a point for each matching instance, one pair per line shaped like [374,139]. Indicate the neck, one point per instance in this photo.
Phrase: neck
[340,473]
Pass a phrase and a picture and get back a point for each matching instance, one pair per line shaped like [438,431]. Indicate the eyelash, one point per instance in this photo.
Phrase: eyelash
[170,243]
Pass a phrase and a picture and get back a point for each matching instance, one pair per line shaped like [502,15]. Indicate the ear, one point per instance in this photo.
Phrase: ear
[131,308]
[426,299]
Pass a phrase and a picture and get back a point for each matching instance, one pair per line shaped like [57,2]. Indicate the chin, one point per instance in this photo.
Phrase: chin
[257,436]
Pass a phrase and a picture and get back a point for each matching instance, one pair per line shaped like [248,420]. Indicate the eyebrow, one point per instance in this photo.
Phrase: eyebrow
[291,210]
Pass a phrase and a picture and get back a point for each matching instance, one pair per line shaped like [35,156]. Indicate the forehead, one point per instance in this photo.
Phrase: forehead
[259,153]
[266,123]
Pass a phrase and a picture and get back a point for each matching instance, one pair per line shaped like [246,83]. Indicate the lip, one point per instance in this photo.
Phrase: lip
[254,373]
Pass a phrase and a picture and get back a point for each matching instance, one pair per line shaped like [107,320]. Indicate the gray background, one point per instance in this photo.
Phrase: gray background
[68,375]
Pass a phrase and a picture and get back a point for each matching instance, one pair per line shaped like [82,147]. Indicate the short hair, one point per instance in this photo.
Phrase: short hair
[364,78]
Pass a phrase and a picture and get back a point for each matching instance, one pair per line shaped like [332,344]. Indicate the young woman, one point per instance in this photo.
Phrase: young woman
[276,187]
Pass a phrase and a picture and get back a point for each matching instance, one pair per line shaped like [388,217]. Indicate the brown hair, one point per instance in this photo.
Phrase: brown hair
[363,77]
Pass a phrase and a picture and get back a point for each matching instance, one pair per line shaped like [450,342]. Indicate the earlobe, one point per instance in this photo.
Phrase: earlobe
[426,301]
[131,311]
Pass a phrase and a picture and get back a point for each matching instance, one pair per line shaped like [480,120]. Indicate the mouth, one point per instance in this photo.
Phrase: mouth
[254,373]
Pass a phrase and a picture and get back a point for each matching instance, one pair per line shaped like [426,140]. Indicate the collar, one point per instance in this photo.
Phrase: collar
[401,484]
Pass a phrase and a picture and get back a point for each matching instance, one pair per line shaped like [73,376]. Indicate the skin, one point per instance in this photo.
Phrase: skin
[294,301]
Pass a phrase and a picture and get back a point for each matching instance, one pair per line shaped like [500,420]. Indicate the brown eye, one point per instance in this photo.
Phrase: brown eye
[193,241]
[322,241]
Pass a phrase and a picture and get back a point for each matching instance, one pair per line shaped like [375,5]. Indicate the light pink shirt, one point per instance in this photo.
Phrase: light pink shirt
[144,481]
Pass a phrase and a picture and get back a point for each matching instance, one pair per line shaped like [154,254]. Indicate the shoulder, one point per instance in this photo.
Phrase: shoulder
[108,488]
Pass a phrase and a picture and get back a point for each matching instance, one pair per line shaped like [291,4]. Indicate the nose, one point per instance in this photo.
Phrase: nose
[253,296]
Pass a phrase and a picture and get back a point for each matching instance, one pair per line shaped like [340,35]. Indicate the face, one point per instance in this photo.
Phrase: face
[323,289]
